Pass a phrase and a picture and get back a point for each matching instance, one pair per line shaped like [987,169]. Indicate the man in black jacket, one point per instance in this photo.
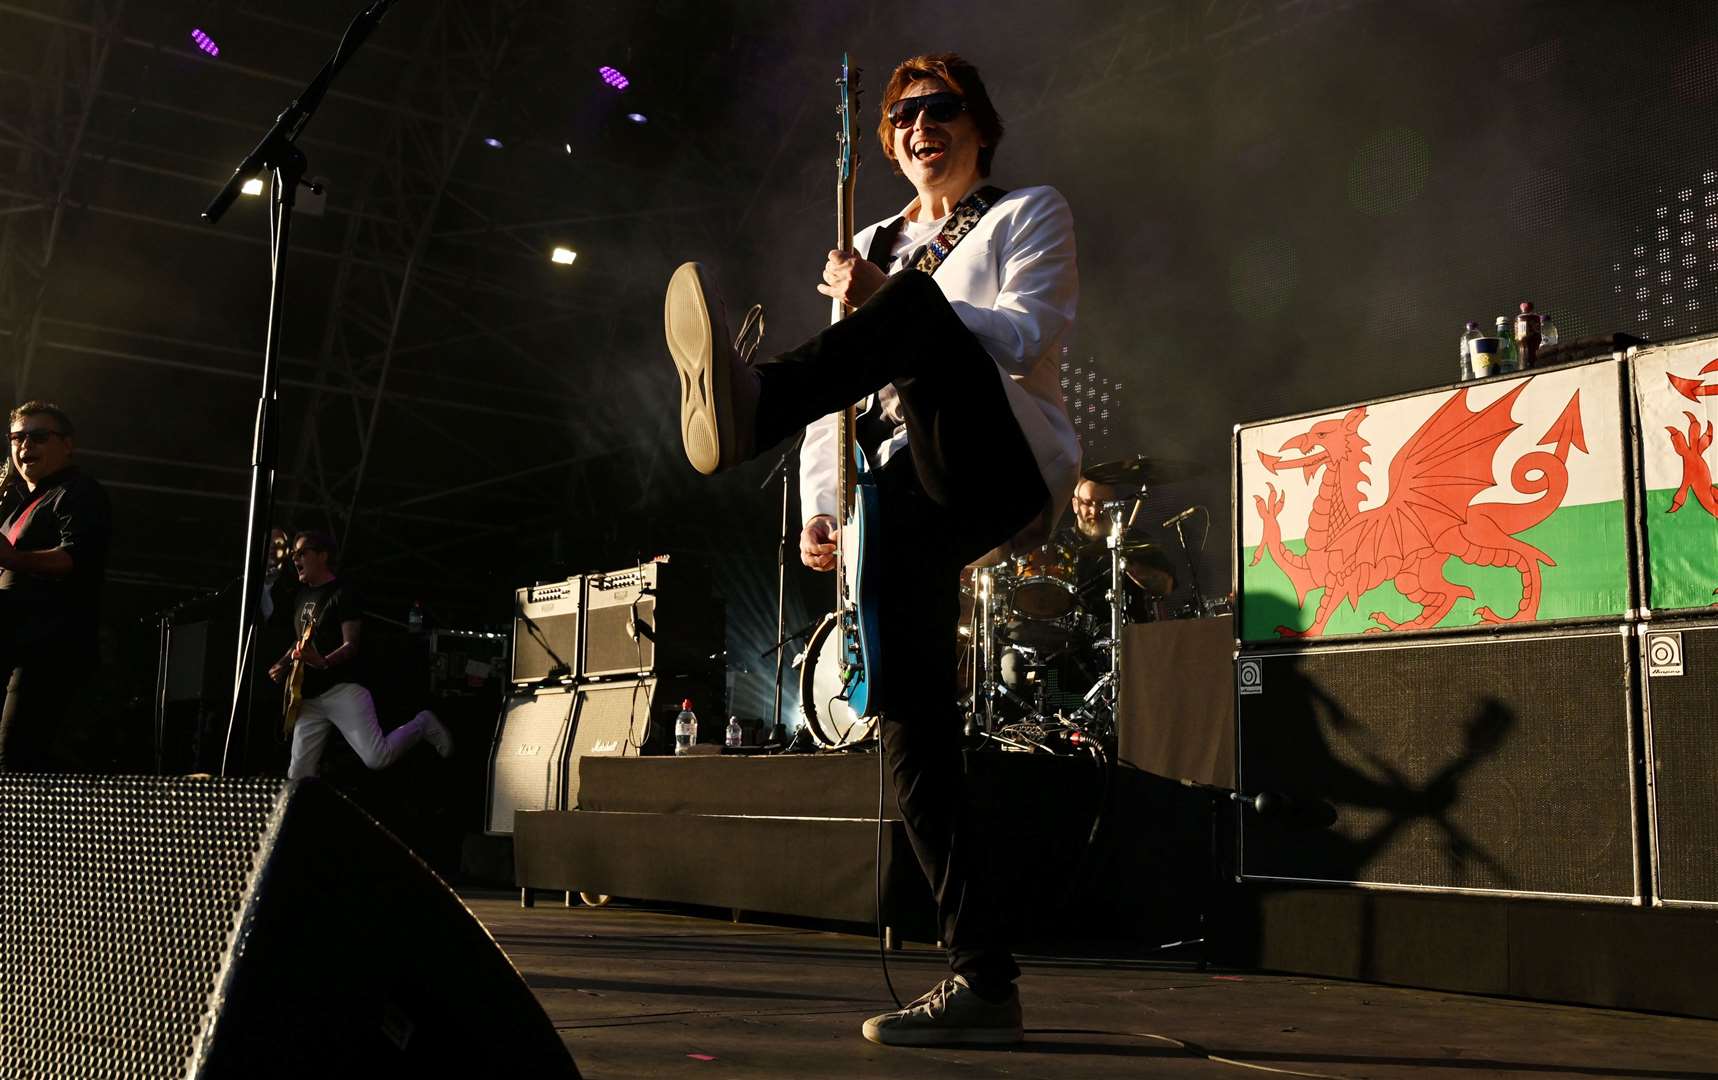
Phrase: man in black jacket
[55,526]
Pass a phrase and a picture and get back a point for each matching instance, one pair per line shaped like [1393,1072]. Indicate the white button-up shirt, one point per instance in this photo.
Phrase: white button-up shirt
[1013,282]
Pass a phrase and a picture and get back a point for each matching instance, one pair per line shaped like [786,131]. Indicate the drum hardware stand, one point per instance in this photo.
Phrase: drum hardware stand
[781,635]
[1180,523]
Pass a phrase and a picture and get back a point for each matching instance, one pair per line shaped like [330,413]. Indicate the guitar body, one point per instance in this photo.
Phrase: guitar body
[862,650]
[294,696]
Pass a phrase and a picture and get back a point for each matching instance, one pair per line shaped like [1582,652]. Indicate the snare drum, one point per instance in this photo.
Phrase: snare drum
[1045,583]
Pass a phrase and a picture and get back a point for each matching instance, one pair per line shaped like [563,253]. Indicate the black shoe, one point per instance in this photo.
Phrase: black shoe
[718,390]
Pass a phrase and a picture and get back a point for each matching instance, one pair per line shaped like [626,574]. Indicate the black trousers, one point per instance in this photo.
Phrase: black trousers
[36,684]
[967,482]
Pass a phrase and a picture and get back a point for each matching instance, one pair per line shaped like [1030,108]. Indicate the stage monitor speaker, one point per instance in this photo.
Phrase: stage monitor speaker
[527,761]
[660,617]
[545,626]
[1681,667]
[1502,765]
[168,927]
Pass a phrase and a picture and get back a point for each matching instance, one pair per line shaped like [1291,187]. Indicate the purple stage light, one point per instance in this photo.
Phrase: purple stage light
[614,78]
[205,42]
[492,142]
[638,118]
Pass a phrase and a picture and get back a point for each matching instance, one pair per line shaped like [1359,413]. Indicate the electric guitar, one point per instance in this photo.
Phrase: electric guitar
[856,489]
[293,699]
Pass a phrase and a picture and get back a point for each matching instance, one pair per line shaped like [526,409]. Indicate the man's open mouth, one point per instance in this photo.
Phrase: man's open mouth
[926,151]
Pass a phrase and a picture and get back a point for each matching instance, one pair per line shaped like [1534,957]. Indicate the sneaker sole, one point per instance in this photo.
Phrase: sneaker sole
[930,1036]
[704,394]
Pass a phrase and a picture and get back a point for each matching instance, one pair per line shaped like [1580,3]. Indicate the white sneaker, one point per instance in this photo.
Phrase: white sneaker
[436,733]
[950,1014]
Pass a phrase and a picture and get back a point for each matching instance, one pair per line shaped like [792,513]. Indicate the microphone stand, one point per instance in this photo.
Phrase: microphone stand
[781,570]
[277,154]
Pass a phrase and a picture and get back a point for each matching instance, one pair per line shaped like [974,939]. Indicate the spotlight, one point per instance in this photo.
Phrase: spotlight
[492,142]
[253,186]
[638,118]
[569,148]
[613,77]
[564,256]
[205,42]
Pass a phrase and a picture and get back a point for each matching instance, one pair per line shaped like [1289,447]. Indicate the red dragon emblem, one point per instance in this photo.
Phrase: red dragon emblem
[1691,447]
[1429,517]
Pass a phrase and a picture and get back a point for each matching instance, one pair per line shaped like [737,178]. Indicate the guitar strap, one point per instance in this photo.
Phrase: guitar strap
[961,221]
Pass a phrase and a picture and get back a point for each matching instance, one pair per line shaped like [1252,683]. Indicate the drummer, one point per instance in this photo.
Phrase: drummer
[1149,574]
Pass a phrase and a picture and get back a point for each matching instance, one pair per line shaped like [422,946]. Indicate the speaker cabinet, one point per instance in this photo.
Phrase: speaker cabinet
[656,618]
[616,720]
[1681,667]
[546,625]
[167,927]
[1502,764]
[527,763]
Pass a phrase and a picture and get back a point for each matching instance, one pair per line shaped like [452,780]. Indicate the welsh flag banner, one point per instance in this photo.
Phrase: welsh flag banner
[1676,392]
[1498,502]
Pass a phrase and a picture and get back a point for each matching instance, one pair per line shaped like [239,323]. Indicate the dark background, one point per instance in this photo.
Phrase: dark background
[1281,206]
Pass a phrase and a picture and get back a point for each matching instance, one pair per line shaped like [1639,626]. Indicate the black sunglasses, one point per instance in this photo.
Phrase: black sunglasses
[941,107]
[302,550]
[35,436]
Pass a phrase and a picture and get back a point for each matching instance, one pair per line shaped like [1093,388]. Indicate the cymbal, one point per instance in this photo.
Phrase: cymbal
[1140,469]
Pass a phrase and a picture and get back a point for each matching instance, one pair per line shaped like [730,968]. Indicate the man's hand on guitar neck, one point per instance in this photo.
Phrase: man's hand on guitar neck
[850,279]
[817,543]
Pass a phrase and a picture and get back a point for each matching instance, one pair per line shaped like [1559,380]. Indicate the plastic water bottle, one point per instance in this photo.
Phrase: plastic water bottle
[1473,331]
[1509,359]
[415,617]
[735,736]
[685,728]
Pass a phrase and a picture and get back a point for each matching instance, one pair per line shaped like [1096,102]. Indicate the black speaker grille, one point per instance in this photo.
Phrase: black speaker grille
[1500,764]
[1684,762]
[118,898]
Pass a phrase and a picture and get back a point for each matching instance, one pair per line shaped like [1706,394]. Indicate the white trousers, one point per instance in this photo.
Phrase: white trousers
[348,707]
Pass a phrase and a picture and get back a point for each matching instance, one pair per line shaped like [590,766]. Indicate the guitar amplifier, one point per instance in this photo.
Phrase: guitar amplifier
[546,624]
[1680,662]
[527,763]
[657,617]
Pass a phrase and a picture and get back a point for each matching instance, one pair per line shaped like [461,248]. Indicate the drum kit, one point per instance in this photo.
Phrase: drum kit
[1043,663]
[1040,665]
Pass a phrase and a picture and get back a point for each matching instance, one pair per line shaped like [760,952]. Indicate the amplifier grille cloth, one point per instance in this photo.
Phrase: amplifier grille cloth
[525,773]
[614,721]
[1501,764]
[1685,770]
[116,906]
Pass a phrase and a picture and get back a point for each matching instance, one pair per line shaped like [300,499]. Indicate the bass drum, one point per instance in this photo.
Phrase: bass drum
[832,722]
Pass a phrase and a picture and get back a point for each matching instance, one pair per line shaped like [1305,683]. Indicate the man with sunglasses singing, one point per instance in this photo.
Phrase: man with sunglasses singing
[55,524]
[962,304]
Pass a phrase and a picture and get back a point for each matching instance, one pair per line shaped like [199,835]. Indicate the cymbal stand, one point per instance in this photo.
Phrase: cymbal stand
[1192,567]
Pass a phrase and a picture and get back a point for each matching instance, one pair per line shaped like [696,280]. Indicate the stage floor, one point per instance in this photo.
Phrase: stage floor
[638,992]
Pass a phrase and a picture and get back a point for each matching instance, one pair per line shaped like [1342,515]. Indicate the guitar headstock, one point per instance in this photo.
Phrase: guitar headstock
[848,88]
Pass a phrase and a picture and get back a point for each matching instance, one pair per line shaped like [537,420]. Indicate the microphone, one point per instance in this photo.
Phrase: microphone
[1183,516]
[1295,813]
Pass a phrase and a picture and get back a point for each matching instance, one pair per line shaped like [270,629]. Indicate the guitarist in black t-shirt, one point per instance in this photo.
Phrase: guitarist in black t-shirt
[324,674]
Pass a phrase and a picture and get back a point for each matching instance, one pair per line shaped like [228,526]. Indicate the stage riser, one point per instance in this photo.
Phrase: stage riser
[1586,954]
[1500,764]
[1682,740]
[728,863]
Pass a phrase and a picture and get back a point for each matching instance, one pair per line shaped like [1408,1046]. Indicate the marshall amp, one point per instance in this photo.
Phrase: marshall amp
[658,617]
[546,630]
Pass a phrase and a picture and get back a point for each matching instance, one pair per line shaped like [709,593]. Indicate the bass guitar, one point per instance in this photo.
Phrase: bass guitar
[839,680]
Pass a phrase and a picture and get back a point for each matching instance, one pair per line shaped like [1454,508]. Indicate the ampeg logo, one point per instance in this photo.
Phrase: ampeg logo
[1250,676]
[1664,653]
